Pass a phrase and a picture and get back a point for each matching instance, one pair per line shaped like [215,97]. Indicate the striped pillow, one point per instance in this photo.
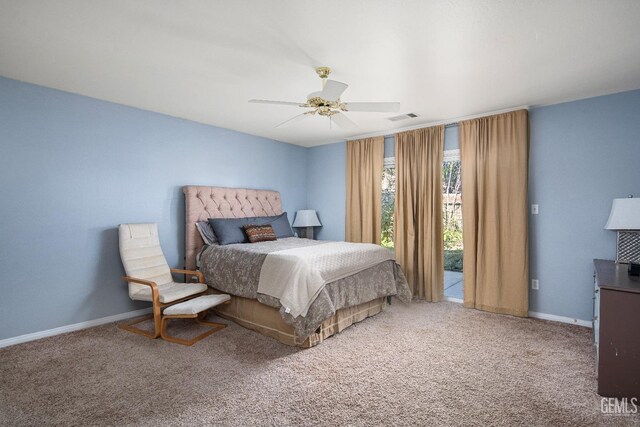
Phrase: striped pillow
[259,233]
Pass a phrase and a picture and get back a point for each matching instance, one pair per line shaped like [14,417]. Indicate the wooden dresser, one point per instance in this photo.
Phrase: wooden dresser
[616,328]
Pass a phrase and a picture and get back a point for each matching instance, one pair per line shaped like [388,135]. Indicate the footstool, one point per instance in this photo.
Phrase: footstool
[195,308]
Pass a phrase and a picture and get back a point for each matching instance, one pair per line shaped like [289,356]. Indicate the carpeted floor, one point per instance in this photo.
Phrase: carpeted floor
[419,364]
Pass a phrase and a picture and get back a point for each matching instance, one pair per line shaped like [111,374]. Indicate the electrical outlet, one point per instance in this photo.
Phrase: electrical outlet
[535,284]
[534,209]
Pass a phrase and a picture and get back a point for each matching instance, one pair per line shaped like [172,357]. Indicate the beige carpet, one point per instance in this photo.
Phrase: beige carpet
[423,364]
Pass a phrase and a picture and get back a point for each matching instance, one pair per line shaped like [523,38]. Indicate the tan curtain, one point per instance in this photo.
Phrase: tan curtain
[494,154]
[418,210]
[365,161]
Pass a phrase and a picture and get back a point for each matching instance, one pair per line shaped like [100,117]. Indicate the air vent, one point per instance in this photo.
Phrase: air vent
[403,117]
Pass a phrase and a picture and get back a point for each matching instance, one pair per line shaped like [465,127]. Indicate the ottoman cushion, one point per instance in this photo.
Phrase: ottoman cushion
[196,305]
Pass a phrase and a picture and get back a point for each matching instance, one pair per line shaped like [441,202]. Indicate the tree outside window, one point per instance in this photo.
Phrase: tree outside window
[452,215]
[388,200]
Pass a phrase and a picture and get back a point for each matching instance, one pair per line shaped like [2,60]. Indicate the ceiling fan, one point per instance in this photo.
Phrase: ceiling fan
[327,103]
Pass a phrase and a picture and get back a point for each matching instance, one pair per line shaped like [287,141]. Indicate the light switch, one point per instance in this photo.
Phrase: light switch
[534,209]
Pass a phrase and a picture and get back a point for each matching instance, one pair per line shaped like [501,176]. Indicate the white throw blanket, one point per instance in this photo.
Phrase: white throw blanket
[296,276]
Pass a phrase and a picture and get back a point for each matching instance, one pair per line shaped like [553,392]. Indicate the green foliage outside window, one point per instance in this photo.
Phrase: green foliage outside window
[387,220]
[453,260]
[388,201]
[452,237]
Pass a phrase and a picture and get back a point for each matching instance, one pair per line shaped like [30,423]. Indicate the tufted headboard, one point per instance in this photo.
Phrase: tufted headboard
[203,203]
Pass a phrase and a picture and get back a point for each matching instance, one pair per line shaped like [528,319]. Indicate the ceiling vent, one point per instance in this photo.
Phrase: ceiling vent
[403,117]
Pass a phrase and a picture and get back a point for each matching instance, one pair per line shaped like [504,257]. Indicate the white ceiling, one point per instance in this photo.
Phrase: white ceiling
[203,60]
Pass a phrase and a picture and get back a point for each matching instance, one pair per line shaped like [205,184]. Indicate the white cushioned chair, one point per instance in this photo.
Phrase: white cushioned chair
[149,275]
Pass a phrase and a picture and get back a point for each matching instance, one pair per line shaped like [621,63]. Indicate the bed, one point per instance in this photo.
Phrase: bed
[235,269]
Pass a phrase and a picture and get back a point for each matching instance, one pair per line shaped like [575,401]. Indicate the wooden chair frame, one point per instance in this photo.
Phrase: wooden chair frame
[158,306]
[215,327]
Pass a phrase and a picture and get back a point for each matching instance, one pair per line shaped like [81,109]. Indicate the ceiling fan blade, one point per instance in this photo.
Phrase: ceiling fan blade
[293,120]
[265,101]
[343,121]
[332,90]
[373,107]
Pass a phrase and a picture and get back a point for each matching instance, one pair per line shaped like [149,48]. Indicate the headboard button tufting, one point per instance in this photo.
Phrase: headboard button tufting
[206,202]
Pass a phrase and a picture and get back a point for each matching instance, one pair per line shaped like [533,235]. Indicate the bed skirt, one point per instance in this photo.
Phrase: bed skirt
[267,320]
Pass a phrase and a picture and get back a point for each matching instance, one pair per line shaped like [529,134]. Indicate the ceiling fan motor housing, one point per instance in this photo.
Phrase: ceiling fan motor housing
[327,103]
[324,106]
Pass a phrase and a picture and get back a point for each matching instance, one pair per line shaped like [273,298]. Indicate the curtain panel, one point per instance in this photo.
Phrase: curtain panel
[418,222]
[365,161]
[494,154]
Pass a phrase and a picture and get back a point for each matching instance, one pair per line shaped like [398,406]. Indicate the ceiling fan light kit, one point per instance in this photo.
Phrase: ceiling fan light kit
[327,103]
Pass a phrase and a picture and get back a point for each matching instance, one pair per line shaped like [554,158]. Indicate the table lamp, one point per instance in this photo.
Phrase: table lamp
[625,219]
[307,219]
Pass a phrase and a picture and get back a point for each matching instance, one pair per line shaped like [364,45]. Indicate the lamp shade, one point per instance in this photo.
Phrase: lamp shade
[625,215]
[306,218]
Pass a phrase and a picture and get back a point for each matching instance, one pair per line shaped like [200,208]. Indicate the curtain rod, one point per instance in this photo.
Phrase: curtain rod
[447,124]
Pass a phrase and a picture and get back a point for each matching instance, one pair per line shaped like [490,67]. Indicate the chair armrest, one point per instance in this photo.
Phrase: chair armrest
[152,285]
[190,273]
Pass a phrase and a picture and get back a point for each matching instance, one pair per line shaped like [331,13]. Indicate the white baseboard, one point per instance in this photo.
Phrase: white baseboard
[75,327]
[544,316]
[561,319]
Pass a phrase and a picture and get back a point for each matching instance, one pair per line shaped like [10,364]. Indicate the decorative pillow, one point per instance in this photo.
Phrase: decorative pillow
[229,230]
[206,232]
[259,233]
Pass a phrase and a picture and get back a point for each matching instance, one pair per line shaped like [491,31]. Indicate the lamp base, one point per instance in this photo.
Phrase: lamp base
[308,233]
[628,247]
[634,269]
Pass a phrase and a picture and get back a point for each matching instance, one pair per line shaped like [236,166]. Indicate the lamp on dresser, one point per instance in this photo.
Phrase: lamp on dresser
[625,219]
[307,218]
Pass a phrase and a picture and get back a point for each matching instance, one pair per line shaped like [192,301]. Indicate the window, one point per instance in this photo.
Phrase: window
[388,200]
[452,211]
[451,218]
[451,207]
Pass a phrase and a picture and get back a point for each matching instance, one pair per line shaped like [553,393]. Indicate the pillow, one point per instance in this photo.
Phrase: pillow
[229,230]
[206,232]
[280,224]
[259,233]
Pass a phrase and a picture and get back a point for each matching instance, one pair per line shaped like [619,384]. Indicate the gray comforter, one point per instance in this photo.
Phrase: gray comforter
[235,269]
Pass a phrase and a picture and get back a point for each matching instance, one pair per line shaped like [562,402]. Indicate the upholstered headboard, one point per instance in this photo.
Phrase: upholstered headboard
[203,203]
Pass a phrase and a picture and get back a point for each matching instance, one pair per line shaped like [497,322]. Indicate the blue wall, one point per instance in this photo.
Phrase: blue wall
[583,154]
[327,188]
[72,168]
